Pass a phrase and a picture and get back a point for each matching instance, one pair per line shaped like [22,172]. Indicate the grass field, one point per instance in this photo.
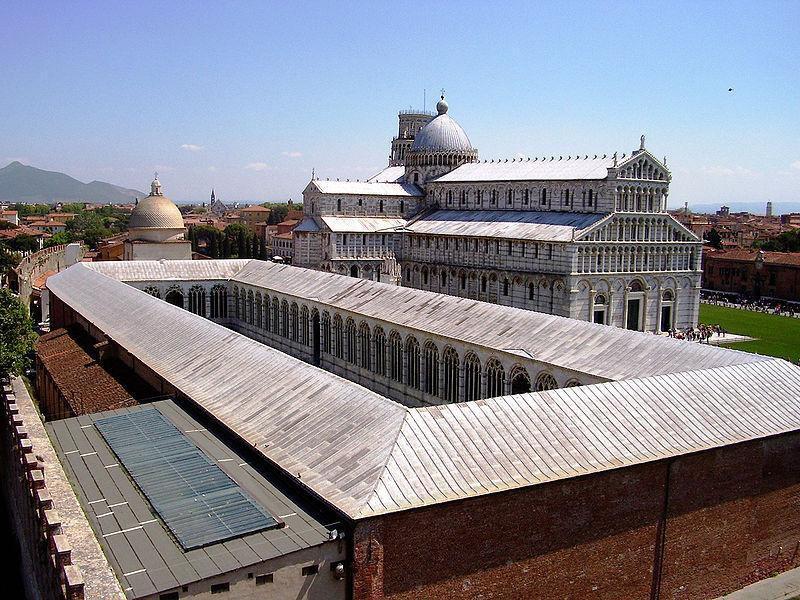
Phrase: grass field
[775,335]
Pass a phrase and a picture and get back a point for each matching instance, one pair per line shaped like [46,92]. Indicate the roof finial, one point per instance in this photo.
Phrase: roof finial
[155,187]
[441,105]
[313,172]
[641,142]
[665,160]
[615,159]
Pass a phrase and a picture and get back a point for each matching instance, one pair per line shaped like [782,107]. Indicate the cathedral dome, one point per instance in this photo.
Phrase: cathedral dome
[442,134]
[155,213]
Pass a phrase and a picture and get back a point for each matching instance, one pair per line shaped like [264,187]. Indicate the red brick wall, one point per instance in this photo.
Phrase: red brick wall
[733,518]
[589,538]
[744,526]
[742,277]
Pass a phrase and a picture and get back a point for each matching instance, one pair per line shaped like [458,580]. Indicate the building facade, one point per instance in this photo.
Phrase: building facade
[753,273]
[587,237]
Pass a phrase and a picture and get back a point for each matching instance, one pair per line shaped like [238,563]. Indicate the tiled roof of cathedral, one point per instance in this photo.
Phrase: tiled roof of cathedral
[367,188]
[389,174]
[522,225]
[368,455]
[362,224]
[567,169]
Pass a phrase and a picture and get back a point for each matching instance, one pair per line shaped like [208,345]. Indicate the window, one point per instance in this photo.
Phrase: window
[505,287]
[266,578]
[544,196]
[169,596]
[450,388]
[412,369]
[380,351]
[350,335]
[495,379]
[364,350]
[310,570]
[380,206]
[395,356]
[472,378]
[339,204]
[545,381]
[509,250]
[591,197]
[220,588]
[431,369]
[510,197]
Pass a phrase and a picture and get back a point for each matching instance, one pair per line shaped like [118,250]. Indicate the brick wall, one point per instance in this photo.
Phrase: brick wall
[732,513]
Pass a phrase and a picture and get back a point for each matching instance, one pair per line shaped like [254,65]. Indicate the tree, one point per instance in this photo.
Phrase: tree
[714,239]
[16,335]
[62,237]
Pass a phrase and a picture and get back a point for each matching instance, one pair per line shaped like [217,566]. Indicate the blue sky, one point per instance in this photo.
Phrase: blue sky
[249,97]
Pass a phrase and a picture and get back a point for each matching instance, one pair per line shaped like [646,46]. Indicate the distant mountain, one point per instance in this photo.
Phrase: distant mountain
[21,183]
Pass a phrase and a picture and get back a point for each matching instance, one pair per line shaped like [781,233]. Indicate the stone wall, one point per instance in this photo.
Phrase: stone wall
[59,551]
[37,264]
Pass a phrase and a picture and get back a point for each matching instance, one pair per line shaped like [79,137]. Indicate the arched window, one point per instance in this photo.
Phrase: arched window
[294,328]
[276,321]
[472,377]
[350,335]
[450,388]
[431,369]
[520,380]
[545,381]
[531,291]
[285,319]
[219,302]
[237,308]
[599,315]
[636,286]
[325,331]
[395,356]
[573,383]
[197,300]
[495,379]
[424,276]
[267,314]
[248,317]
[354,271]
[544,196]
[380,351]
[413,358]
[175,297]
[505,286]
[153,291]
[304,326]
[338,337]
[443,278]
[364,349]
[257,318]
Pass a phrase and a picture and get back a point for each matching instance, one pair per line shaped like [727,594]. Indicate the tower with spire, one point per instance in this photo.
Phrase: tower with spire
[216,206]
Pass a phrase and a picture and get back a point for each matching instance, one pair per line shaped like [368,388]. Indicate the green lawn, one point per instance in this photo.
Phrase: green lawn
[775,335]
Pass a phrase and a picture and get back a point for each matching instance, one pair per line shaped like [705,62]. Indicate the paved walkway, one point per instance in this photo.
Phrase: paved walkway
[785,586]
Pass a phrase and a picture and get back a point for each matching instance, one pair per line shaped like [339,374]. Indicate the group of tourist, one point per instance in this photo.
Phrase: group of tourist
[701,333]
[775,307]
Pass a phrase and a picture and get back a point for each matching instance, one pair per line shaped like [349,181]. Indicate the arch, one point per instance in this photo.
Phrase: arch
[395,356]
[364,349]
[379,339]
[520,380]
[219,301]
[276,309]
[338,336]
[351,340]
[495,379]
[325,326]
[294,323]
[413,360]
[153,291]
[431,368]
[354,271]
[472,377]
[237,309]
[451,375]
[304,326]
[175,297]
[573,383]
[285,319]
[258,314]
[197,300]
[249,307]
[545,381]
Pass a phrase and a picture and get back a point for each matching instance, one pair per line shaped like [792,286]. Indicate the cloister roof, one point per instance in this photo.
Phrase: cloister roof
[368,455]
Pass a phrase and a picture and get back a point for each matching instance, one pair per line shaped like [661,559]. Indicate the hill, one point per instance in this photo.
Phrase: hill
[22,183]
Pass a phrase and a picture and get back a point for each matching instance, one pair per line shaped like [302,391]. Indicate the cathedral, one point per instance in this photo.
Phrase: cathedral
[585,236]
